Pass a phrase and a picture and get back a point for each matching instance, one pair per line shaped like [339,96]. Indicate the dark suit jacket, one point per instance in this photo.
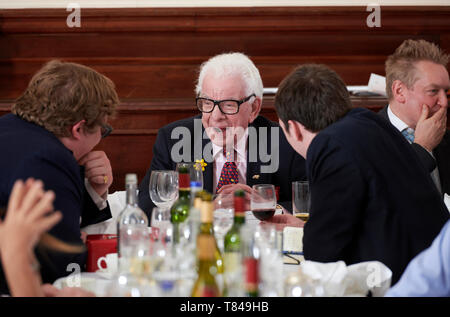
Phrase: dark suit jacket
[371,199]
[291,164]
[31,151]
[441,154]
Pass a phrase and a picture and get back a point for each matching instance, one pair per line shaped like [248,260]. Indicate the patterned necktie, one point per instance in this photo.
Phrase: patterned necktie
[229,173]
[408,133]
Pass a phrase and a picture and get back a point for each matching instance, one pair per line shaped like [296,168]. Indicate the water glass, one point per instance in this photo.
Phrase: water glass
[223,217]
[301,200]
[134,249]
[160,221]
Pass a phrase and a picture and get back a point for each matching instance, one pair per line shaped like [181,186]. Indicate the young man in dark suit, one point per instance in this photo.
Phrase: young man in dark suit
[49,136]
[230,135]
[417,84]
[371,199]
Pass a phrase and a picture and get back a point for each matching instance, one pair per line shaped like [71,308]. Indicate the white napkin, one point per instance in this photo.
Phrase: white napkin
[337,279]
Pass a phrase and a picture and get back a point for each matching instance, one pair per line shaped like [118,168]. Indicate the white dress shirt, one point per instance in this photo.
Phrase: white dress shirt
[240,158]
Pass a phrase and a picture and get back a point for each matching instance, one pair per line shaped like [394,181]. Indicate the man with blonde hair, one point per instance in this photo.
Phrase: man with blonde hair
[417,83]
[50,135]
[240,147]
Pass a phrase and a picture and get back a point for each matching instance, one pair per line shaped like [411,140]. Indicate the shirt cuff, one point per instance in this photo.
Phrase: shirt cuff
[99,201]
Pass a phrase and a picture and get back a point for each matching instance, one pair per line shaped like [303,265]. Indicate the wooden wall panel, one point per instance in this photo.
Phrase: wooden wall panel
[153,55]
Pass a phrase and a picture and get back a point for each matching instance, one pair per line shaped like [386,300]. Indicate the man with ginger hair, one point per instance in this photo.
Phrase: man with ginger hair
[417,83]
[50,135]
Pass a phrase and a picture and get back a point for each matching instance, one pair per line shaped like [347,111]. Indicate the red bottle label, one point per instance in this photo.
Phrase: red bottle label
[183,181]
[239,206]
[209,292]
[252,272]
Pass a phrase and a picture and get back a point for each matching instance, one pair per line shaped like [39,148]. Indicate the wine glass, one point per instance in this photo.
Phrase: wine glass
[223,217]
[163,188]
[264,201]
[160,221]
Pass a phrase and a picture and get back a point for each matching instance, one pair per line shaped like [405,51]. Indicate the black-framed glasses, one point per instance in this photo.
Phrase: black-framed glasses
[106,130]
[228,106]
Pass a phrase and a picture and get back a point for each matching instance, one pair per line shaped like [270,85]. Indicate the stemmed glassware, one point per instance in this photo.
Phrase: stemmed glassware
[223,217]
[163,188]
[264,201]
[160,221]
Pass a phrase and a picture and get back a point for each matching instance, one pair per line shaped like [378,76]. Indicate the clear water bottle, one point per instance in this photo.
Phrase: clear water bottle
[131,215]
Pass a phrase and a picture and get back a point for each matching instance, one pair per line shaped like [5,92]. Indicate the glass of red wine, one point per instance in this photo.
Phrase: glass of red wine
[263,201]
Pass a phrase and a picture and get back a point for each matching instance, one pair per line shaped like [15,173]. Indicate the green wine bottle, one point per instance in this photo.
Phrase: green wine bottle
[232,256]
[180,209]
[206,284]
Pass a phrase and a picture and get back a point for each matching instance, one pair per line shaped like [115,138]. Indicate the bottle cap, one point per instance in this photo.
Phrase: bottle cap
[130,179]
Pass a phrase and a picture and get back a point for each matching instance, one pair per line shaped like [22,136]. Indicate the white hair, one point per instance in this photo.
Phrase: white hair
[229,65]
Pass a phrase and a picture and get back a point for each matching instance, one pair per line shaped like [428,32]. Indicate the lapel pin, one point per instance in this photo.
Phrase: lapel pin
[255,176]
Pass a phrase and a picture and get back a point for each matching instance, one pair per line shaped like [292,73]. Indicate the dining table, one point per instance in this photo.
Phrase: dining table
[294,274]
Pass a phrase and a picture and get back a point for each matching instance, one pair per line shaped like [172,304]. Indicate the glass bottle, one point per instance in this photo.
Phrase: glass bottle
[206,284]
[251,258]
[207,228]
[180,209]
[131,215]
[233,249]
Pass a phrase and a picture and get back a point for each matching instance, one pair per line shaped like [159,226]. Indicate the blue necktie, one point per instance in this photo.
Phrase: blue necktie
[408,133]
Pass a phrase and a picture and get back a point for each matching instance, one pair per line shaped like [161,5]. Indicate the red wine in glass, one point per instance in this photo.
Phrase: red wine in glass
[263,214]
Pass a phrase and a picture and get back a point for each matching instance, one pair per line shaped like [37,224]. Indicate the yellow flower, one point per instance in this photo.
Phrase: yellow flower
[200,164]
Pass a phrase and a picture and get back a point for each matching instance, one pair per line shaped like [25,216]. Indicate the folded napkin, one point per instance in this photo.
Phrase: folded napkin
[335,279]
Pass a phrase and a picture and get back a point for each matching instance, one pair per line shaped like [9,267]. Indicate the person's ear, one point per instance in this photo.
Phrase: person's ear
[256,108]
[77,130]
[296,130]
[399,91]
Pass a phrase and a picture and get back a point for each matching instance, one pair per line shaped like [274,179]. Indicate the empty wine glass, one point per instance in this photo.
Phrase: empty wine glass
[163,188]
[264,201]
[223,217]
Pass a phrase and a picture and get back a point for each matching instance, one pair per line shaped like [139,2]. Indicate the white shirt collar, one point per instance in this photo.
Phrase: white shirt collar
[240,147]
[396,121]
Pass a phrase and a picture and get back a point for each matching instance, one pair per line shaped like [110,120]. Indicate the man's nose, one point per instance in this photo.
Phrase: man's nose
[217,114]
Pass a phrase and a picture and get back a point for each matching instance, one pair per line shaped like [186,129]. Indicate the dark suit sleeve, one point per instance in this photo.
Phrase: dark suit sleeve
[337,198]
[64,179]
[425,157]
[91,214]
[161,161]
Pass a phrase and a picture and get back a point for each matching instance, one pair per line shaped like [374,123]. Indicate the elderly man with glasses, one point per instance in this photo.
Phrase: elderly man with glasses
[236,143]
